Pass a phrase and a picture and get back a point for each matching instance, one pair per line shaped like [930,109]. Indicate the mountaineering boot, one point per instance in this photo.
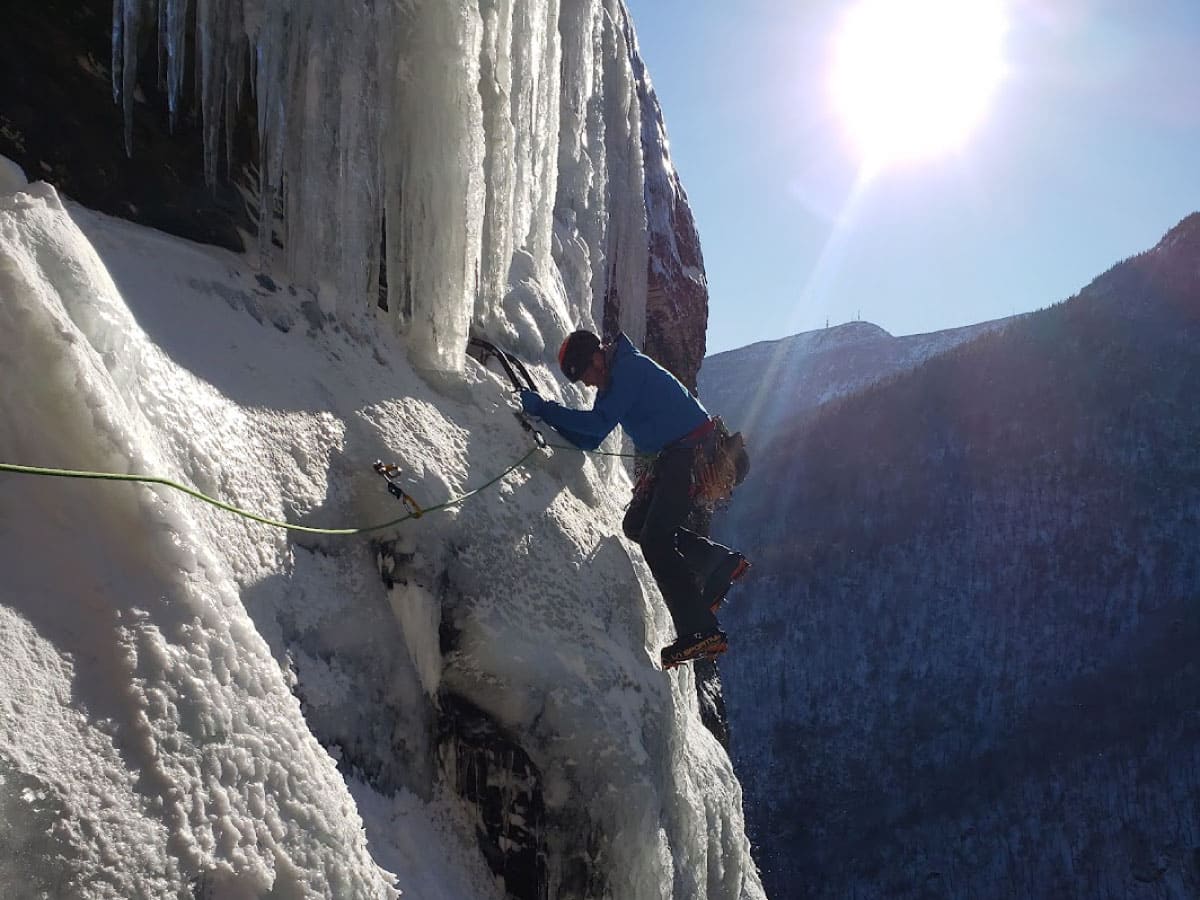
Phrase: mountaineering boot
[701,645]
[721,579]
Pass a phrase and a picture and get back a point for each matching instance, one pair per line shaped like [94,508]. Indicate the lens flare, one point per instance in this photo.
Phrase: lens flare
[911,80]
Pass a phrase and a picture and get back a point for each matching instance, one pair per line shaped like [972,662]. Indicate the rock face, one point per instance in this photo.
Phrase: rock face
[677,290]
[493,772]
[975,614]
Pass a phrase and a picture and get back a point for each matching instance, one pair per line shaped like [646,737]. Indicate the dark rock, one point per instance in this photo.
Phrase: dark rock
[490,769]
[712,700]
[677,291]
[58,122]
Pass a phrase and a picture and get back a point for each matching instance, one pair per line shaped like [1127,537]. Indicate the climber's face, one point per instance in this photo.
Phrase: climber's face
[596,374]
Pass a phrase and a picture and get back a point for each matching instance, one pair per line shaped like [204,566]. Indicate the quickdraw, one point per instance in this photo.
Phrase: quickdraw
[390,472]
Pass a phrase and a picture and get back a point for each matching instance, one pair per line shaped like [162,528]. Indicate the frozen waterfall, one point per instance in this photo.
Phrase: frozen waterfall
[468,705]
[488,149]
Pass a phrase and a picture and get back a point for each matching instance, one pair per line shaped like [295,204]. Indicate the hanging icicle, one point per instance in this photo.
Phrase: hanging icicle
[501,158]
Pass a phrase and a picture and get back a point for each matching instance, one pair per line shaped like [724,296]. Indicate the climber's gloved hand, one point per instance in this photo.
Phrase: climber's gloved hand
[532,403]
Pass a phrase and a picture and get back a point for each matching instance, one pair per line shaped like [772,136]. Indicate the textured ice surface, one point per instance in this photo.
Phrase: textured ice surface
[167,665]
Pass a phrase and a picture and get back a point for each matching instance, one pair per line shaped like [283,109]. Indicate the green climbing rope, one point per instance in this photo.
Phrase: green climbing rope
[166,482]
[602,452]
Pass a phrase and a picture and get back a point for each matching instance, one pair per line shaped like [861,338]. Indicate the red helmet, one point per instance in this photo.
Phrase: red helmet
[575,354]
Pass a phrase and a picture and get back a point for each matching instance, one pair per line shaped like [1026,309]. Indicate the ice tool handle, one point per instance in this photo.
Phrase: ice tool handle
[512,365]
[515,369]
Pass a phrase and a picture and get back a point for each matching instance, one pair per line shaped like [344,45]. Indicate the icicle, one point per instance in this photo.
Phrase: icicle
[495,85]
[126,22]
[627,240]
[173,15]
[519,86]
[211,42]
[271,120]
[497,138]
[433,166]
[118,53]
[544,130]
[163,50]
[579,205]
[233,103]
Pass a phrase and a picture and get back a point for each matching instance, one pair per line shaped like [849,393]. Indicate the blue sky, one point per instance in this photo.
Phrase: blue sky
[1089,152]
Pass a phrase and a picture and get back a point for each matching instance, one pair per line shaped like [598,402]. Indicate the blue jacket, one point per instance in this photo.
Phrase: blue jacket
[642,397]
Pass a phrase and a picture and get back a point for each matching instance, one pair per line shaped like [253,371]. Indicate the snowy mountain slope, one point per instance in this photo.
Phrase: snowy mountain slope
[195,671]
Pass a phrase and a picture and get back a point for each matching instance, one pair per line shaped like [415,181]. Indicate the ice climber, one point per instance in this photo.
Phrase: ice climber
[661,417]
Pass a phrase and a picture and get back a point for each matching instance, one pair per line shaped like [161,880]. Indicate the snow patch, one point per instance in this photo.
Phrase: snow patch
[12,176]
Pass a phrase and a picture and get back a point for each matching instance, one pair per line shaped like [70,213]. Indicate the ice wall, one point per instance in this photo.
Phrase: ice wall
[483,154]
[150,745]
[176,684]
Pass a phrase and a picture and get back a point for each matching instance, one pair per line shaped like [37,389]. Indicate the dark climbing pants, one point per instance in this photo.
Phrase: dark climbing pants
[655,520]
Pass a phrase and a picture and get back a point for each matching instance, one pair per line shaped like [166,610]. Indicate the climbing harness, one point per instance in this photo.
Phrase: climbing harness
[721,463]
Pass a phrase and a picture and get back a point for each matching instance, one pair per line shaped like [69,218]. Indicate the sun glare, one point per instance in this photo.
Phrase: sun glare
[912,79]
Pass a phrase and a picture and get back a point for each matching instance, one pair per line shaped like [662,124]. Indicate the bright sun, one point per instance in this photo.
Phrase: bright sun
[911,79]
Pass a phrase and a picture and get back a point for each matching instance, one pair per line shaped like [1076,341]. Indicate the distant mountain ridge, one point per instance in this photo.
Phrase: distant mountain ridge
[965,663]
[755,388]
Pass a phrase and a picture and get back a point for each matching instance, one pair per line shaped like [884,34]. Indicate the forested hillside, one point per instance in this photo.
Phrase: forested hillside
[975,618]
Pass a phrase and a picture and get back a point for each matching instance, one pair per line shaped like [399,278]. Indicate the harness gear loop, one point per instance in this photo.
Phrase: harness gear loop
[721,463]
